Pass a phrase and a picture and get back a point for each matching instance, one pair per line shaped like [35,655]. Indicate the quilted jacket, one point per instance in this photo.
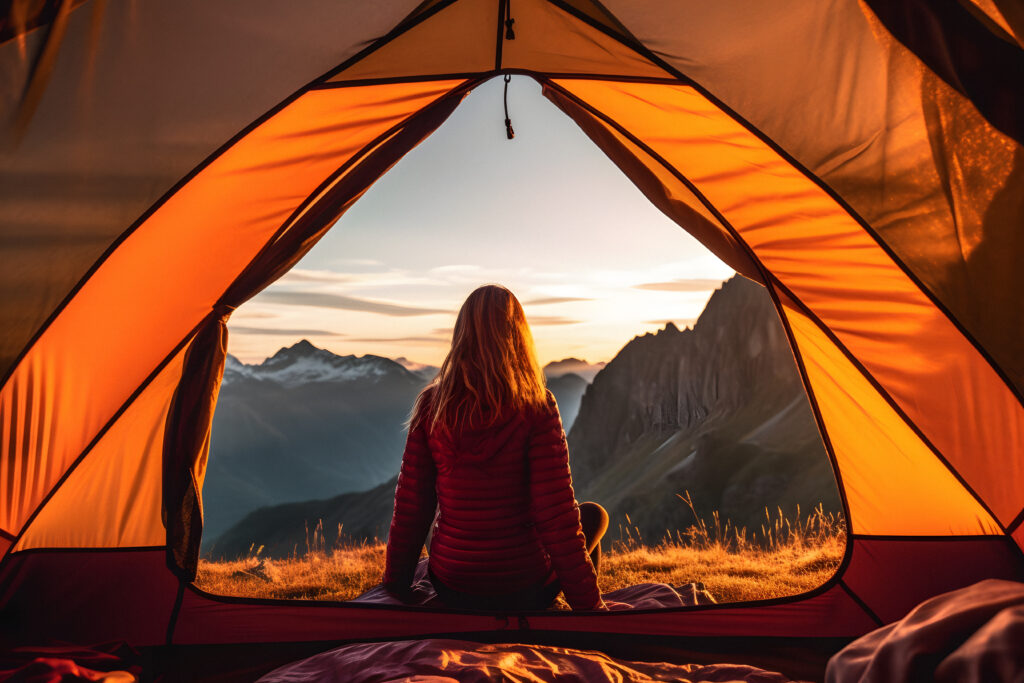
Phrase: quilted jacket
[506,515]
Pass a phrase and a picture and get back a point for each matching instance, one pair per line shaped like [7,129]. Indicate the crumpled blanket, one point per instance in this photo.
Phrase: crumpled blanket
[971,635]
[640,596]
[62,663]
[461,661]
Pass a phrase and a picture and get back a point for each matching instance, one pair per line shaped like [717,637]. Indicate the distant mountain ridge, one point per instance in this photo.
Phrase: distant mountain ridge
[303,363]
[305,423]
[575,366]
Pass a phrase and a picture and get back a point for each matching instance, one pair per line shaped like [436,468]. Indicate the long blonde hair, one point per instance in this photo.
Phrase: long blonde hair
[491,367]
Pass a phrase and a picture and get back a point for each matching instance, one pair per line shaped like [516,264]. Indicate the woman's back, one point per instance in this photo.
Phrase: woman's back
[507,516]
[486,447]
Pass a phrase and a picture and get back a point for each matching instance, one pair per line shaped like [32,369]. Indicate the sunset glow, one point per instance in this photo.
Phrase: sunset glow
[547,215]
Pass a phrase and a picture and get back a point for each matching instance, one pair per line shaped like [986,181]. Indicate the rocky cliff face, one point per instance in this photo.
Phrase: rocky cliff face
[717,410]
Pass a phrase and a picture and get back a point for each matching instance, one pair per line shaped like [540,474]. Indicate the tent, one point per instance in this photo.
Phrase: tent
[163,162]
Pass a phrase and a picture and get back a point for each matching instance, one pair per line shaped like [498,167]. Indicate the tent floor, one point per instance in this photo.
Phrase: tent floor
[797,658]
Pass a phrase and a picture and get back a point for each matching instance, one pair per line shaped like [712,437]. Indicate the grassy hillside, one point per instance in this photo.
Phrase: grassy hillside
[784,557]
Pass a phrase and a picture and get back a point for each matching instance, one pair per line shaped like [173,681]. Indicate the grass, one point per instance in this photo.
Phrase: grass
[786,556]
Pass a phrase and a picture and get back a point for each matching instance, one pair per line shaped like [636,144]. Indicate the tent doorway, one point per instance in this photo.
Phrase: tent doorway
[306,445]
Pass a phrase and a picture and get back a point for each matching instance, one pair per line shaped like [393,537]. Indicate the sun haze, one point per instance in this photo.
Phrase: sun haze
[546,215]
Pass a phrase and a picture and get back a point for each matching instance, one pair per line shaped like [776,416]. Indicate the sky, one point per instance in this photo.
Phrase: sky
[546,215]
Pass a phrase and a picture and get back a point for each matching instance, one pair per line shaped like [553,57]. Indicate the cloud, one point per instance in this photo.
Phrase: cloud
[554,300]
[282,332]
[346,303]
[456,268]
[360,261]
[401,340]
[682,285]
[679,322]
[551,320]
[246,314]
[305,275]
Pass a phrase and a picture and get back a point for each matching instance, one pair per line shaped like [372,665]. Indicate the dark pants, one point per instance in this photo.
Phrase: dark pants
[593,520]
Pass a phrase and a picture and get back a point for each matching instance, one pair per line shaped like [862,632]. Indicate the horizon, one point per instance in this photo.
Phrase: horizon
[547,215]
[414,361]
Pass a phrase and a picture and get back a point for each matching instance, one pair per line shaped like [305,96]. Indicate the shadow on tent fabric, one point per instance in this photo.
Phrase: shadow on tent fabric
[640,596]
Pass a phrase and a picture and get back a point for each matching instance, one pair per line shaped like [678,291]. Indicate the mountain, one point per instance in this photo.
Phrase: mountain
[283,530]
[304,363]
[304,424]
[568,390]
[427,372]
[574,366]
[717,410]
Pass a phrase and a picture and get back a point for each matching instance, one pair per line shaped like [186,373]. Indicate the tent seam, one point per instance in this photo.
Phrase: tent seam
[99,436]
[1016,522]
[399,29]
[866,374]
[499,43]
[172,620]
[622,78]
[860,603]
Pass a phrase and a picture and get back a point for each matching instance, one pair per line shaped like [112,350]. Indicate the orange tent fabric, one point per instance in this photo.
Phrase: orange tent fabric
[161,163]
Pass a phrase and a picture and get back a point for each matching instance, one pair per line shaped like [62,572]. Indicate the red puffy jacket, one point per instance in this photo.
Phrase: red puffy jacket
[507,512]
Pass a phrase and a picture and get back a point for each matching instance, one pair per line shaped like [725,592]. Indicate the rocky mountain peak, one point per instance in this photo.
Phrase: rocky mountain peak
[304,362]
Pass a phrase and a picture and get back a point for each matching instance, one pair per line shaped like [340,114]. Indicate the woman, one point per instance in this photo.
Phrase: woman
[486,447]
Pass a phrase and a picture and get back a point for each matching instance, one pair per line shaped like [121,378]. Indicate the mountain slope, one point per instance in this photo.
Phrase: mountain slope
[304,424]
[283,530]
[718,411]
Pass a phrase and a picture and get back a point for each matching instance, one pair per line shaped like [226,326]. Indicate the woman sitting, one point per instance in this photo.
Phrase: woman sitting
[487,453]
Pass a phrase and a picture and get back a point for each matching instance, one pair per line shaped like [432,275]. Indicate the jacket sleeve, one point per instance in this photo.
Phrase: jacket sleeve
[415,505]
[555,513]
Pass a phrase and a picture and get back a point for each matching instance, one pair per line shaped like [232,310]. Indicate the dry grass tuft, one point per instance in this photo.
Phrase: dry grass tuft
[786,556]
[341,574]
